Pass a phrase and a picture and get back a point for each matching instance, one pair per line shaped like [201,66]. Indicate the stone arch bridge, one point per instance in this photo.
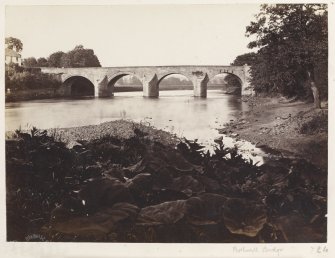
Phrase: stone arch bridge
[103,79]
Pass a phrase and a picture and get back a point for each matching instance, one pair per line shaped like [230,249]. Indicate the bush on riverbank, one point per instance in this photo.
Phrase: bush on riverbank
[21,82]
[136,190]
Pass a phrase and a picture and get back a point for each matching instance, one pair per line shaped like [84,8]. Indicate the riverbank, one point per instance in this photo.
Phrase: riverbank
[284,127]
[32,94]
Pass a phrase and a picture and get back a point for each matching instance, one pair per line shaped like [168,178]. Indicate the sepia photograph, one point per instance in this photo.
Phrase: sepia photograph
[167,123]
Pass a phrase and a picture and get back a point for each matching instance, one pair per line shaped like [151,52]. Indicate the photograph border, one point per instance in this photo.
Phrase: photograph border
[74,250]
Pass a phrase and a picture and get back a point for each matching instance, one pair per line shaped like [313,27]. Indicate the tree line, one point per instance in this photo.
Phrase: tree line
[78,57]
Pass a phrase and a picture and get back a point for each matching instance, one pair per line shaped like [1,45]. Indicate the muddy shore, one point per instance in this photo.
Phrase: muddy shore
[123,129]
[283,127]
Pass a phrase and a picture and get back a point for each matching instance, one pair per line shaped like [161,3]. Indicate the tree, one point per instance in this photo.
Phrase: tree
[293,43]
[14,43]
[65,61]
[42,62]
[245,59]
[79,57]
[54,60]
[30,62]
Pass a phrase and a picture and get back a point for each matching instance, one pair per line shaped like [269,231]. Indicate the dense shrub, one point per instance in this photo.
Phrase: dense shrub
[18,78]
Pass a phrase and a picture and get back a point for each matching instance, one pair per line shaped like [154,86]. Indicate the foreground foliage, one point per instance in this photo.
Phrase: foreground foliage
[136,190]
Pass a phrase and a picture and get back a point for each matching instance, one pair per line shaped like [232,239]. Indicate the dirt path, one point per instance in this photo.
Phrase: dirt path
[292,128]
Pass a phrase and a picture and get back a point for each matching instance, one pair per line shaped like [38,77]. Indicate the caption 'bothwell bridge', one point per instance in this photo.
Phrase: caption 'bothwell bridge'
[100,81]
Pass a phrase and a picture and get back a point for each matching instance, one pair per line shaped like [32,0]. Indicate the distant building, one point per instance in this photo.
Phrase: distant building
[11,56]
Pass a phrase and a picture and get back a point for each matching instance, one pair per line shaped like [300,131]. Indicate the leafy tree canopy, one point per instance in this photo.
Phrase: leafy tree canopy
[54,59]
[78,57]
[42,62]
[248,59]
[292,43]
[30,62]
[14,43]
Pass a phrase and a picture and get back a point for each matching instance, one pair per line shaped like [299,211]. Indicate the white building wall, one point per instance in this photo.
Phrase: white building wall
[8,59]
[12,59]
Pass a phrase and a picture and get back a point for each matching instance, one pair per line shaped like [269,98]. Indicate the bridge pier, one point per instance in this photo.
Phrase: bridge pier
[102,88]
[150,86]
[200,84]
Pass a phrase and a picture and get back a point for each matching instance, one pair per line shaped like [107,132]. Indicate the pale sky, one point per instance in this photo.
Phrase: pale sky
[135,34]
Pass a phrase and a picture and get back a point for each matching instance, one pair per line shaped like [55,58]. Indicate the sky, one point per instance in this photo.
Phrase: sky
[135,35]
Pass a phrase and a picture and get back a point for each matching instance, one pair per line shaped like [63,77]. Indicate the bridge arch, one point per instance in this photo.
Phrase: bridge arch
[173,73]
[79,86]
[234,82]
[115,77]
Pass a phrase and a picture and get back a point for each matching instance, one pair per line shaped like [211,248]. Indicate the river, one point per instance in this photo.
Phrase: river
[175,111]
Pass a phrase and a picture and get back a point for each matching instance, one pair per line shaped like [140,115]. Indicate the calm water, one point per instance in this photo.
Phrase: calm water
[174,111]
